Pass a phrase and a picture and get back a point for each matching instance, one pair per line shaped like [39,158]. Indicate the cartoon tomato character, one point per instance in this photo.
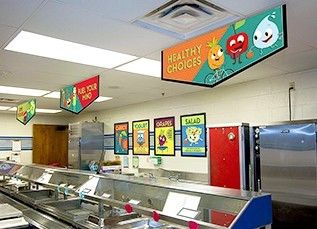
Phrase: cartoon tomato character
[215,55]
[236,45]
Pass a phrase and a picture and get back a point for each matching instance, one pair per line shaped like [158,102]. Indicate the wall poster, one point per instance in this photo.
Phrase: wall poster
[164,135]
[26,111]
[214,57]
[193,135]
[141,137]
[121,138]
[77,97]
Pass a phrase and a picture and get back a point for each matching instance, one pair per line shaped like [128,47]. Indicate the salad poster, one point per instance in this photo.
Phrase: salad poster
[164,135]
[141,137]
[75,98]
[121,138]
[214,57]
[193,135]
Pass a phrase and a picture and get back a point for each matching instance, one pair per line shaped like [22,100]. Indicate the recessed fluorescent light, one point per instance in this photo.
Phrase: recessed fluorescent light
[13,109]
[54,95]
[39,110]
[102,98]
[39,45]
[4,108]
[51,111]
[22,91]
[143,66]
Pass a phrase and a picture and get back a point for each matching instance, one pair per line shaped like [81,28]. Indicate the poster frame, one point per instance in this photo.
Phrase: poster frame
[181,135]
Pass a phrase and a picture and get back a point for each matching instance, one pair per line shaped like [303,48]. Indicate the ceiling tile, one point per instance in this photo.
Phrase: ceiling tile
[154,55]
[15,12]
[246,7]
[127,10]
[92,29]
[301,18]
[44,69]
[5,33]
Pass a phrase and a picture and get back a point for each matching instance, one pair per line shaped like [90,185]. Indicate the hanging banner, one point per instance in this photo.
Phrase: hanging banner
[26,111]
[77,97]
[140,137]
[193,135]
[216,56]
[121,138]
[164,135]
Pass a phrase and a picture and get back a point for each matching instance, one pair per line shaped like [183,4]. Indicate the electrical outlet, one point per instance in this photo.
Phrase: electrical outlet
[292,85]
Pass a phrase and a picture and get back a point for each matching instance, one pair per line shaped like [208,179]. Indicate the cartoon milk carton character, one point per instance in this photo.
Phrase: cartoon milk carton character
[140,138]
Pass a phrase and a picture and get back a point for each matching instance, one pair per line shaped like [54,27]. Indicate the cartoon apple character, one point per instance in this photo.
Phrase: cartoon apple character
[236,45]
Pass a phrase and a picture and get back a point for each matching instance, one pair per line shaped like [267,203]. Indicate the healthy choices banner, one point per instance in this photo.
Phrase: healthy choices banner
[193,135]
[164,129]
[75,98]
[141,137]
[121,138]
[214,57]
[26,111]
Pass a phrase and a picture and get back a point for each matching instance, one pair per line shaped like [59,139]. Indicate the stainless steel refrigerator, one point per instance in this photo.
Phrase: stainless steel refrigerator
[285,163]
[86,145]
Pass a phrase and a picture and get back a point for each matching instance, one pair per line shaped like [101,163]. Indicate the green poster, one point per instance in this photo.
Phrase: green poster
[26,111]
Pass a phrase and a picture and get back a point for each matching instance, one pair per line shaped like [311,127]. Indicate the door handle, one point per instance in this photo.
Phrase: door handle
[286,131]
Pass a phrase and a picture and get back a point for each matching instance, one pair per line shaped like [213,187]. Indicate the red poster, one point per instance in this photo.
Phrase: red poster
[75,98]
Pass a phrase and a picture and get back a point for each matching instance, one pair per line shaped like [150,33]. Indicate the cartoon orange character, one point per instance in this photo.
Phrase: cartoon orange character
[215,55]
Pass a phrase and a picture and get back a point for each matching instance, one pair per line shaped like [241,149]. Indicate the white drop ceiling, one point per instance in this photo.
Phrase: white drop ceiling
[108,24]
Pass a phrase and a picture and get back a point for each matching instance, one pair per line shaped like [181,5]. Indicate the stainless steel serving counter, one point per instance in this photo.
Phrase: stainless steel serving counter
[86,200]
[35,218]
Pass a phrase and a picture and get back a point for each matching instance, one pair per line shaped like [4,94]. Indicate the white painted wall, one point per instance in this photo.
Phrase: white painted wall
[9,126]
[255,102]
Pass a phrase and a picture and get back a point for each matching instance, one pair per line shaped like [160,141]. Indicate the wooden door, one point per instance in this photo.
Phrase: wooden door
[50,144]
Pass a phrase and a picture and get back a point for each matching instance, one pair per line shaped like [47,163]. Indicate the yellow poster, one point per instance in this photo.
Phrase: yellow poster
[164,134]
[141,137]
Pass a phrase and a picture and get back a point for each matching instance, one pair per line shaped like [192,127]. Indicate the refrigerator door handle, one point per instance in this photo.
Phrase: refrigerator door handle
[286,131]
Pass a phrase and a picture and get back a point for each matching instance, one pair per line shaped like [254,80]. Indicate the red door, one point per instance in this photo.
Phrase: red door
[224,157]
[224,165]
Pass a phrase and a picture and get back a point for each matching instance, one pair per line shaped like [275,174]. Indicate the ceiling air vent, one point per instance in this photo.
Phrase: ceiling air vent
[186,18]
[7,100]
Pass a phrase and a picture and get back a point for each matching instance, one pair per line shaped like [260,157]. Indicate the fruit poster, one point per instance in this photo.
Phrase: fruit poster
[164,135]
[193,135]
[214,57]
[121,138]
[141,137]
[26,111]
[77,97]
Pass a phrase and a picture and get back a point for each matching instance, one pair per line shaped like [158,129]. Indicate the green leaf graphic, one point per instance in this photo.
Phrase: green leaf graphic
[238,24]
